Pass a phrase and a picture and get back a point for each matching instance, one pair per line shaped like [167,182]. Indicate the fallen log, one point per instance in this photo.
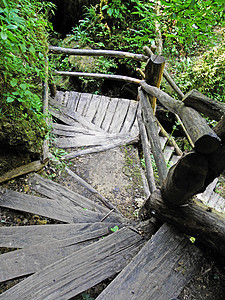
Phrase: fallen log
[209,107]
[194,219]
[185,179]
[204,138]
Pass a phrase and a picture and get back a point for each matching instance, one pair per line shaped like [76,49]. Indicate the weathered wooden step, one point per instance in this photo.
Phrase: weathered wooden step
[53,209]
[34,258]
[159,271]
[26,236]
[53,190]
[81,270]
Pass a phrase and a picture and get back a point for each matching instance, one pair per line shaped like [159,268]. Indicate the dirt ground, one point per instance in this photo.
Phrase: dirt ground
[118,175]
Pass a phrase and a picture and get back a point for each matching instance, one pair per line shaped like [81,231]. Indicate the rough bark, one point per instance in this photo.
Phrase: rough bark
[195,219]
[185,179]
[153,136]
[153,74]
[209,107]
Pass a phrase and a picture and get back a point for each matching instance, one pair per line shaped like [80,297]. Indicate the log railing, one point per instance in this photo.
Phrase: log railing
[196,169]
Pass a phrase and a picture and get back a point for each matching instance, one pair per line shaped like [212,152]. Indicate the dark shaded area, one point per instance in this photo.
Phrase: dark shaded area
[68,13]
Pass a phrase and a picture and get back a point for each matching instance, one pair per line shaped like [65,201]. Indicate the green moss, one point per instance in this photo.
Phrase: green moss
[22,129]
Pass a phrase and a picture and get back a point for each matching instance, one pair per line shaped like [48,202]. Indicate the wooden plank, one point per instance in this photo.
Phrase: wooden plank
[32,259]
[109,114]
[27,236]
[62,117]
[119,116]
[159,271]
[83,102]
[101,111]
[34,166]
[53,209]
[59,97]
[73,99]
[74,116]
[53,190]
[116,143]
[81,270]
[91,111]
[163,141]
[88,140]
[89,100]
[65,130]
[130,117]
[205,196]
[167,152]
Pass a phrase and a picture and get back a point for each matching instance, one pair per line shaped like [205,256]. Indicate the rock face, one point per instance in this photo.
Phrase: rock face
[68,13]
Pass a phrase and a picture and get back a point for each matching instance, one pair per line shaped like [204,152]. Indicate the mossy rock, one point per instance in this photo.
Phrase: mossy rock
[21,129]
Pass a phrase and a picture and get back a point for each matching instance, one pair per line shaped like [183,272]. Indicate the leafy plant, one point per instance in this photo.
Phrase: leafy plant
[114,229]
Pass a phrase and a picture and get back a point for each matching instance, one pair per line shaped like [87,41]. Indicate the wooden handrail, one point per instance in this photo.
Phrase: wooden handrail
[90,52]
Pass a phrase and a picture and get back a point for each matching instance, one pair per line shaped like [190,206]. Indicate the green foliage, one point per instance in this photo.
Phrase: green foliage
[204,73]
[23,44]
[114,229]
[191,23]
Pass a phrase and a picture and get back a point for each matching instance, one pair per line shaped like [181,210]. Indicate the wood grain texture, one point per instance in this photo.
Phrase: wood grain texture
[81,270]
[26,236]
[119,116]
[34,258]
[34,166]
[53,209]
[203,104]
[53,190]
[159,271]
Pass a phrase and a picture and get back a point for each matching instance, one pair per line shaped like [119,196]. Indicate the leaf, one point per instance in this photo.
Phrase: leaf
[23,86]
[13,82]
[32,49]
[4,35]
[114,229]
[23,47]
[110,12]
[9,99]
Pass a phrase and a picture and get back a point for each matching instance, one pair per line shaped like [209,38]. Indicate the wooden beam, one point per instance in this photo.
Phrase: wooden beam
[160,270]
[194,219]
[153,74]
[146,152]
[204,138]
[209,107]
[34,166]
[166,75]
[151,127]
[81,270]
[90,52]
[99,76]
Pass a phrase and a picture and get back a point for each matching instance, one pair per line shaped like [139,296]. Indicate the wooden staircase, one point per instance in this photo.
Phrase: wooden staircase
[63,260]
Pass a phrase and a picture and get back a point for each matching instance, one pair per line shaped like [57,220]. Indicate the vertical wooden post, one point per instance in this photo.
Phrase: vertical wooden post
[45,112]
[153,74]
